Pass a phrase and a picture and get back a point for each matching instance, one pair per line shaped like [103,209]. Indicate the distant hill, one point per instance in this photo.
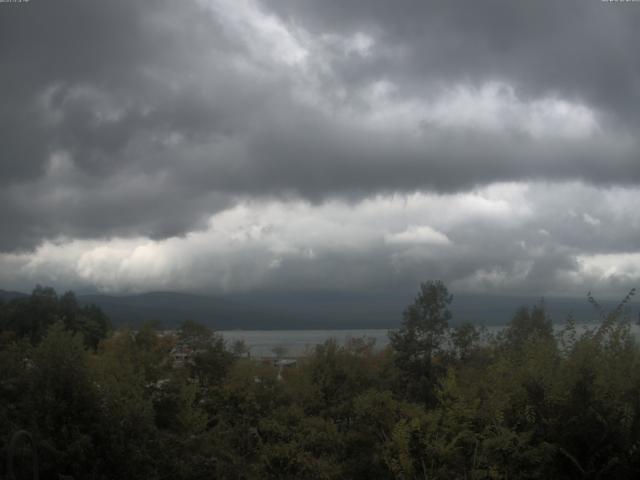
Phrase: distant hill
[313,310]
[170,309]
[320,310]
[6,296]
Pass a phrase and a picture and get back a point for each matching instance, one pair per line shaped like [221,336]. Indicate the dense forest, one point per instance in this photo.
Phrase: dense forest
[440,402]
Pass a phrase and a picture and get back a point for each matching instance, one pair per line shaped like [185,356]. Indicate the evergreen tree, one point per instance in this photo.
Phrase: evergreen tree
[419,340]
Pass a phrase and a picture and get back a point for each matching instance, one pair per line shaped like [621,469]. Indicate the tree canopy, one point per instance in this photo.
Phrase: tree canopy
[438,402]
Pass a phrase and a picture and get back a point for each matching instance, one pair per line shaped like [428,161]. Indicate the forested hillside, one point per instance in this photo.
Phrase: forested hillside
[438,403]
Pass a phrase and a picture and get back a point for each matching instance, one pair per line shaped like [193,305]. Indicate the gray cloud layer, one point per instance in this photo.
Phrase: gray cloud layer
[536,239]
[144,119]
[577,49]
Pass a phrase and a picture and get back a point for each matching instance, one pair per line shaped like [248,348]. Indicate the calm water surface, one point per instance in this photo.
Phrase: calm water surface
[295,342]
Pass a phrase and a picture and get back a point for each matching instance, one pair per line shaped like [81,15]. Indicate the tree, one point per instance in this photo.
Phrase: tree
[65,403]
[211,359]
[420,339]
[528,323]
[127,432]
[464,339]
[211,362]
[89,320]
[195,334]
[239,348]
[30,317]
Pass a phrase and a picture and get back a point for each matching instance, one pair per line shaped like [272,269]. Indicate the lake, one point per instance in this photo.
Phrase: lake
[262,342]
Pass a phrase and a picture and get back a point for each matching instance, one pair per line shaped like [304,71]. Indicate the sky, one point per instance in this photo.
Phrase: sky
[227,146]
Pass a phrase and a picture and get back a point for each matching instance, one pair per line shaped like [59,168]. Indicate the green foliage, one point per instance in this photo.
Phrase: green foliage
[212,362]
[63,400]
[30,317]
[195,333]
[438,403]
[294,445]
[527,324]
[465,340]
[420,340]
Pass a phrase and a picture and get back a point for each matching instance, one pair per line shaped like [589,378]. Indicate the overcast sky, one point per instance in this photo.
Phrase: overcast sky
[243,145]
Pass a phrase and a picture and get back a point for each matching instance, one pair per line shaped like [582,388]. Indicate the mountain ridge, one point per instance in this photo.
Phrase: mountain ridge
[312,310]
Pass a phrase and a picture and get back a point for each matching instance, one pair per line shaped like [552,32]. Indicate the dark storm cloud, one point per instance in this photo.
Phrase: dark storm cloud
[102,82]
[575,48]
[129,205]
[125,118]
